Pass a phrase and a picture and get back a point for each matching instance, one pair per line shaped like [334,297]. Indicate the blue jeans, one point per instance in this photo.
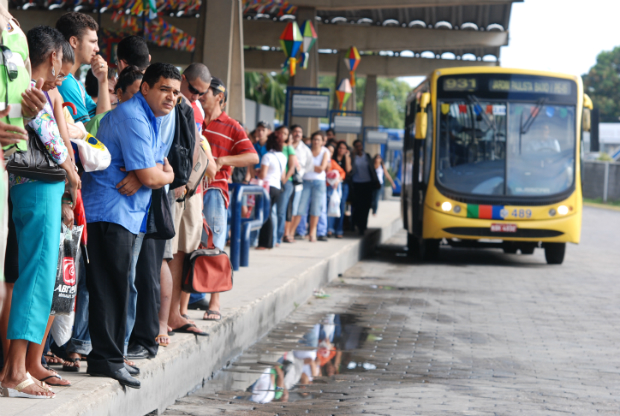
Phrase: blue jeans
[282,207]
[336,225]
[321,228]
[80,339]
[376,197]
[133,293]
[314,191]
[215,213]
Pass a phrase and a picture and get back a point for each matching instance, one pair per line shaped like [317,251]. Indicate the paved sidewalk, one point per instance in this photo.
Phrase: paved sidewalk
[276,282]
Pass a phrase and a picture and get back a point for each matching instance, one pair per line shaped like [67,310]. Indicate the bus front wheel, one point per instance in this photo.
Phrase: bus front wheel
[554,252]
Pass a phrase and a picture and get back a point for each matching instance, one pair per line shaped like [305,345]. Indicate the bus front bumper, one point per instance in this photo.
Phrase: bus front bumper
[438,225]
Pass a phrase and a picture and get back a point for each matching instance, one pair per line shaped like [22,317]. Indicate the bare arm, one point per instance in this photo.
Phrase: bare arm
[347,163]
[387,175]
[100,71]
[292,164]
[212,168]
[262,172]
[237,161]
[156,177]
[59,115]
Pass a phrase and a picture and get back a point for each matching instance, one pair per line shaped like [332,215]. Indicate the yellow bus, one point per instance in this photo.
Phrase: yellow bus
[492,159]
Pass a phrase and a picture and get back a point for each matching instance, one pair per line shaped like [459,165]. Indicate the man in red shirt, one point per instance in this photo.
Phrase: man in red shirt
[230,147]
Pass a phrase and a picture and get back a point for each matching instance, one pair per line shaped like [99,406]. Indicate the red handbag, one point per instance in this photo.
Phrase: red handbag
[208,269]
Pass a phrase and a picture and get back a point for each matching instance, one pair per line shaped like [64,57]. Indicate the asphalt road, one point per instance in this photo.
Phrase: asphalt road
[478,332]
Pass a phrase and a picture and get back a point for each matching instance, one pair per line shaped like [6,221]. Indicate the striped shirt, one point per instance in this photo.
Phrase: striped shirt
[227,138]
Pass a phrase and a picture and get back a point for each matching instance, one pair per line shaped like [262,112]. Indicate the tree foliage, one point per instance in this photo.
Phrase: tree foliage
[602,84]
[267,89]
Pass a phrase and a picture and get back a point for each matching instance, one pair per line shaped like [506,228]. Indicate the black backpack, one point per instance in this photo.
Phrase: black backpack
[181,155]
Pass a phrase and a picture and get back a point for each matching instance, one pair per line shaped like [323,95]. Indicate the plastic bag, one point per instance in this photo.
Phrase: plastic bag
[333,208]
[62,328]
[66,272]
[333,177]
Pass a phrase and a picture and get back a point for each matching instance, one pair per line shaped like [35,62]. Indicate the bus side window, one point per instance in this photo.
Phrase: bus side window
[428,146]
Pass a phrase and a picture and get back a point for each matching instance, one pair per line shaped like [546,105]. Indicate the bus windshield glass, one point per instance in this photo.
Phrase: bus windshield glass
[499,147]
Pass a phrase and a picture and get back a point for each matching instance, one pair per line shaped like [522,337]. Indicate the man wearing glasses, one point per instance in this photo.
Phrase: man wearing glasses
[194,84]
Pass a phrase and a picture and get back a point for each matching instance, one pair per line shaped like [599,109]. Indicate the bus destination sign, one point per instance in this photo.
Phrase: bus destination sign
[460,84]
[530,86]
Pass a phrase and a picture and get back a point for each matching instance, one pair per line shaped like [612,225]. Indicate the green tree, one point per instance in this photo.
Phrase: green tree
[267,89]
[602,84]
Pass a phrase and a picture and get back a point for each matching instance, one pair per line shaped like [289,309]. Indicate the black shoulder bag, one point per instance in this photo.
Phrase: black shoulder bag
[35,162]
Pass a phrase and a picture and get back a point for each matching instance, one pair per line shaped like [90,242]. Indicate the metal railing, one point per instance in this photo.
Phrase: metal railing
[240,228]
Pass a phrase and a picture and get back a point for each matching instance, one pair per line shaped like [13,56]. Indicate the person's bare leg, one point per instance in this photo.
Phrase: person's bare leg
[294,224]
[33,360]
[314,221]
[165,283]
[214,306]
[184,302]
[4,317]
[14,371]
[175,320]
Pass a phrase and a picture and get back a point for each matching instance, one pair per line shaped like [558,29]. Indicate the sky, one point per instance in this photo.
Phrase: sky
[558,35]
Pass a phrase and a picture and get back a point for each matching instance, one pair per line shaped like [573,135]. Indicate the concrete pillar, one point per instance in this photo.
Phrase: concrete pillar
[308,77]
[220,47]
[371,110]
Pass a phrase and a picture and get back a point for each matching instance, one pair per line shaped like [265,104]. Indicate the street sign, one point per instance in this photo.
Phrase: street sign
[376,137]
[348,124]
[306,105]
[395,145]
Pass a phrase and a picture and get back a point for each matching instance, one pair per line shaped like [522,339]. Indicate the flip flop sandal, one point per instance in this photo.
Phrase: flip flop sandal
[55,385]
[51,356]
[186,316]
[162,344]
[17,392]
[70,366]
[185,330]
[209,312]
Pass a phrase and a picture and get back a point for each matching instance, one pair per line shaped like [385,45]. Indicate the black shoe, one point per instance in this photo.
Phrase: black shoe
[121,375]
[137,352]
[200,305]
[322,238]
[134,371]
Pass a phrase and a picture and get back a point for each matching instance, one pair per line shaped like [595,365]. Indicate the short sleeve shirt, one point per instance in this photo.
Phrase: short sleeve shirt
[261,149]
[276,162]
[131,134]
[227,138]
[288,151]
[72,91]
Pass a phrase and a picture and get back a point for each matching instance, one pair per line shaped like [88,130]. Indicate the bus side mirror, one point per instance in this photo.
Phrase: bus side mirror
[586,122]
[421,119]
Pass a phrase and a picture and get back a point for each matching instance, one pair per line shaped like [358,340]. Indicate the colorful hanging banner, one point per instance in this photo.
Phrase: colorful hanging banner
[352,60]
[343,92]
[291,41]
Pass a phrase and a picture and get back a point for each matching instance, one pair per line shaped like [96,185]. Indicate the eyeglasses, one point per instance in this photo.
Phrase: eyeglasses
[11,68]
[193,90]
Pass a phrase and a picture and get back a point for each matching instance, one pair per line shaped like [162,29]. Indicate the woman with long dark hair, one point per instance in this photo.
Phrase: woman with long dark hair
[342,156]
[272,170]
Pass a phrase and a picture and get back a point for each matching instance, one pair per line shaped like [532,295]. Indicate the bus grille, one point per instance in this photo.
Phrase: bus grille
[486,232]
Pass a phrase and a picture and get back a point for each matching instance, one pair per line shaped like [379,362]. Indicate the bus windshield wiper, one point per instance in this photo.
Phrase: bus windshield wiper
[525,127]
[490,121]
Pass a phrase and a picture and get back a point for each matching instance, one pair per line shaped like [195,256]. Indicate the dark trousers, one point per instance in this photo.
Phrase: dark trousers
[361,200]
[265,238]
[107,279]
[148,272]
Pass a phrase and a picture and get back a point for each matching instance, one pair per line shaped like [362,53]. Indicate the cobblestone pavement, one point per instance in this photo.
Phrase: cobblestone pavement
[476,333]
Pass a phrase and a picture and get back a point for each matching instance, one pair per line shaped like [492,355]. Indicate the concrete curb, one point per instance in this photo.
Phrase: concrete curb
[602,206]
[199,357]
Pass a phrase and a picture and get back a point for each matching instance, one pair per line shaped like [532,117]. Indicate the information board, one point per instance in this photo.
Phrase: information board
[395,145]
[376,137]
[348,124]
[306,105]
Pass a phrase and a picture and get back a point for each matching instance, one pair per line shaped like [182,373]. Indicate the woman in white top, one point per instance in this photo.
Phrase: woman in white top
[272,170]
[314,192]
[381,173]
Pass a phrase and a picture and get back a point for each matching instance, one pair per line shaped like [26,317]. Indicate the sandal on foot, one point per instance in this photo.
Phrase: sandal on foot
[55,384]
[18,391]
[209,312]
[53,359]
[162,344]
[71,365]
[185,330]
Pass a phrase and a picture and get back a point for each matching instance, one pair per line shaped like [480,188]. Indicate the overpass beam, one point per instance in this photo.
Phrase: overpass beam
[220,48]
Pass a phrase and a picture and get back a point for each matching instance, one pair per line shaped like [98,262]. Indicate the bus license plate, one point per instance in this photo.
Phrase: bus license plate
[503,228]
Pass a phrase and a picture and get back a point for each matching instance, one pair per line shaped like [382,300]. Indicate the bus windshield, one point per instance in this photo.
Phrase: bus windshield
[500,147]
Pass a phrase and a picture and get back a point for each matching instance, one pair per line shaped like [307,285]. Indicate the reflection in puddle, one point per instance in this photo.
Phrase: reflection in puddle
[328,348]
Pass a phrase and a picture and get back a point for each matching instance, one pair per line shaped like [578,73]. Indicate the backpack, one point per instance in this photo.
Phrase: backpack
[181,155]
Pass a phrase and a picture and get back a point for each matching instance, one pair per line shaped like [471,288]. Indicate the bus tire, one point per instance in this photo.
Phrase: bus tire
[429,249]
[412,245]
[554,252]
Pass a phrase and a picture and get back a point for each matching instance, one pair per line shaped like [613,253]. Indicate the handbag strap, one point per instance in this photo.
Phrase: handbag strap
[207,229]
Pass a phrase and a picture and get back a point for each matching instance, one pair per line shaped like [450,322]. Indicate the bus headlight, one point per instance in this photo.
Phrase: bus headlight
[446,206]
[562,210]
[552,212]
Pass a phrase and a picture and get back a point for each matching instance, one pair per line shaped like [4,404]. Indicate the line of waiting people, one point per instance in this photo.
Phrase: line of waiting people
[129,297]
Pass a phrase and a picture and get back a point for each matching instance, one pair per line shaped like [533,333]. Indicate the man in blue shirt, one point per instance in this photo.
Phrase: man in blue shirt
[80,30]
[131,134]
